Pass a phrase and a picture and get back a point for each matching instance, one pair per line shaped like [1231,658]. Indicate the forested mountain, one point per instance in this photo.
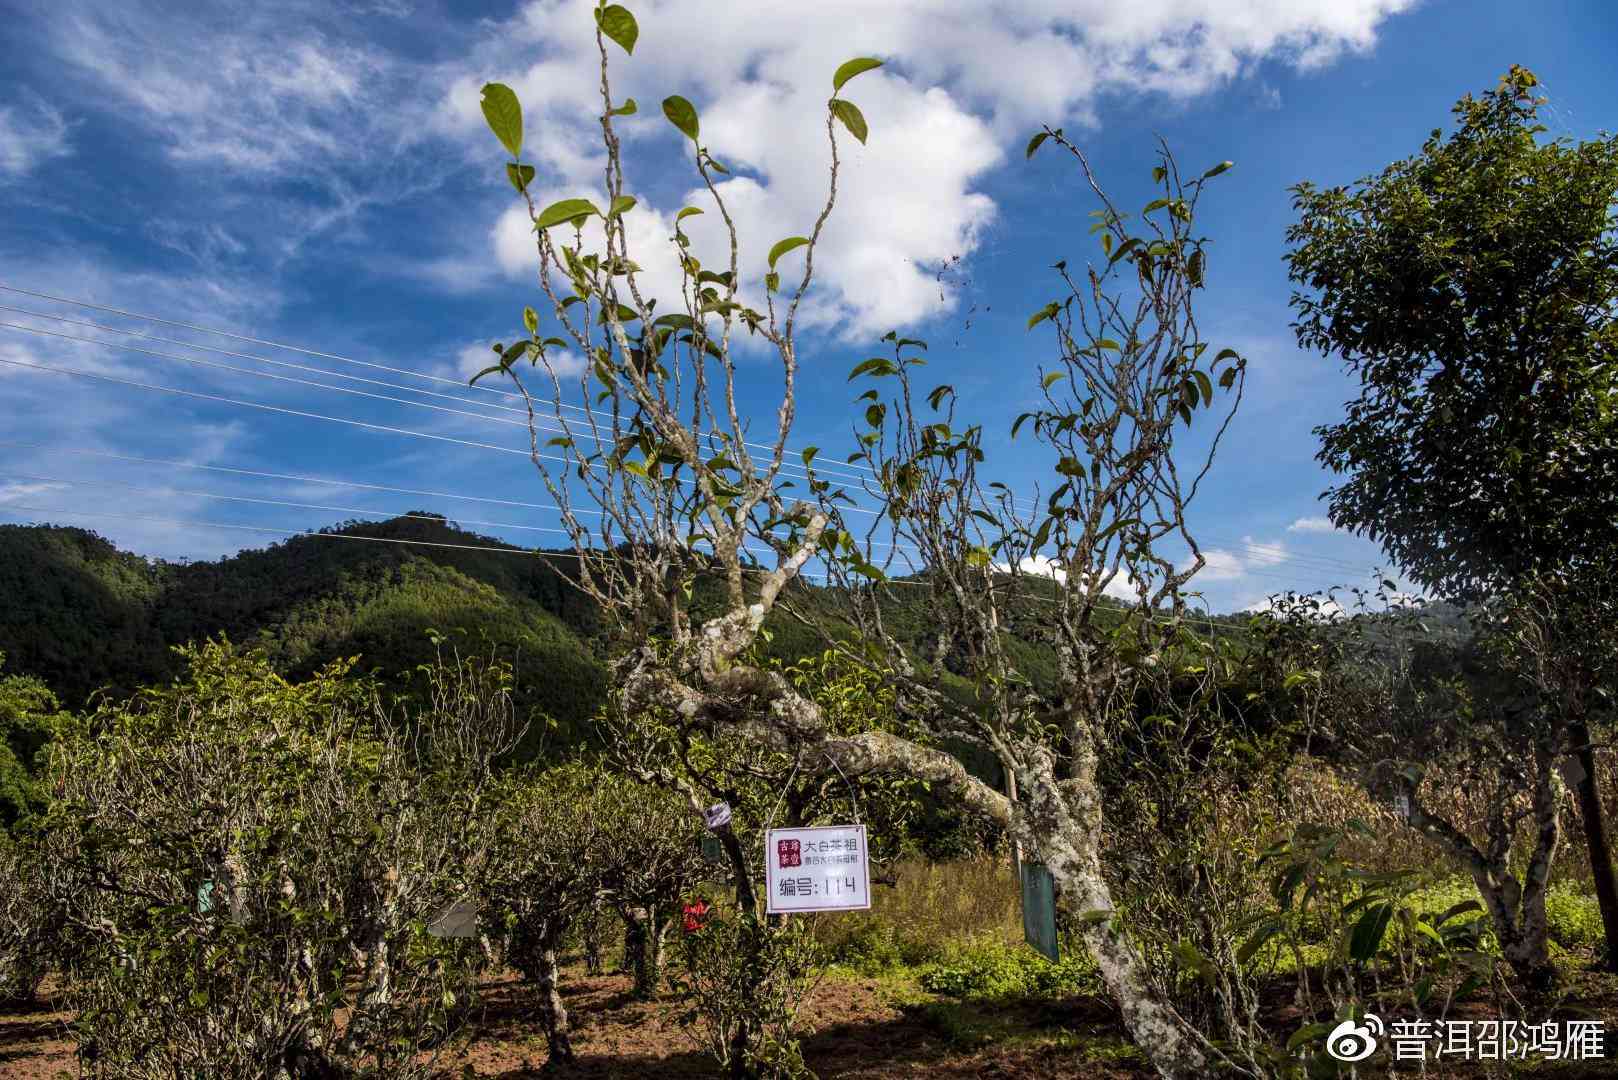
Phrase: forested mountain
[82,616]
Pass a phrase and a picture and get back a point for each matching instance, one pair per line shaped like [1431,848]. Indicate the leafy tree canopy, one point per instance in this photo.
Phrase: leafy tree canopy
[1472,288]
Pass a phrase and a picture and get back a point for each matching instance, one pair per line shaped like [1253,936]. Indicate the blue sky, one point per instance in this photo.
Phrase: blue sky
[319,175]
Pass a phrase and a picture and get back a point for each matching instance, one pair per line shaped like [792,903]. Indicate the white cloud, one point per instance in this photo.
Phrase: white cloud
[30,136]
[1312,525]
[965,84]
[273,94]
[17,491]
[1119,588]
[1222,564]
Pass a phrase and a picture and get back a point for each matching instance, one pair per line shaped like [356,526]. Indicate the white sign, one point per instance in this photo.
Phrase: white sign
[458,920]
[818,869]
[1401,806]
[717,816]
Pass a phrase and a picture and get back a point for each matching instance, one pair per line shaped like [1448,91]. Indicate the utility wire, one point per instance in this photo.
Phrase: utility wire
[848,467]
[300,349]
[790,470]
[1318,563]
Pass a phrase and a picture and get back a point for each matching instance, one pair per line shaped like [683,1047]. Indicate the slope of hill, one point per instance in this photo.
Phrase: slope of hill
[83,616]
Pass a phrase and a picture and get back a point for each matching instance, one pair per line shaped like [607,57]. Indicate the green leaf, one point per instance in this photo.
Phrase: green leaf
[852,118]
[628,108]
[566,210]
[1108,343]
[1458,909]
[1155,204]
[784,246]
[682,114]
[503,112]
[1366,937]
[1052,379]
[1253,944]
[809,453]
[1194,269]
[623,204]
[772,281]
[1047,312]
[618,24]
[1158,174]
[857,66]
[1034,143]
[530,320]
[519,175]
[1307,1033]
[1205,384]
[1217,169]
[876,365]
[689,211]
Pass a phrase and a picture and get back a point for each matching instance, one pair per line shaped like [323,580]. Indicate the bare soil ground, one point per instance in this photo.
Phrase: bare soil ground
[862,1028]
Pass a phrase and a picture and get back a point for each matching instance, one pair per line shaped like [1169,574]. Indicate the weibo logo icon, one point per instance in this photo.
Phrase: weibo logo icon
[1355,1041]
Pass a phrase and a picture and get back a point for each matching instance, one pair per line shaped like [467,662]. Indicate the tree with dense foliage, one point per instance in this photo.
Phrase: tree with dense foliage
[29,719]
[1472,288]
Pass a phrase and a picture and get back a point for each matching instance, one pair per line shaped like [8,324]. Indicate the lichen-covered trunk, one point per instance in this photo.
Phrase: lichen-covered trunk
[552,1012]
[656,940]
[1516,908]
[1061,821]
[637,949]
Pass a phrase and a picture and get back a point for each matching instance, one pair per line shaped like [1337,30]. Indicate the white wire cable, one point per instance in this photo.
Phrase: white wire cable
[789,470]
[312,352]
[285,476]
[190,493]
[1323,561]
[839,473]
[1316,563]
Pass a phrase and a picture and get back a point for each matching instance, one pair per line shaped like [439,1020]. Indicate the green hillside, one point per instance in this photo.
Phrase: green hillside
[83,616]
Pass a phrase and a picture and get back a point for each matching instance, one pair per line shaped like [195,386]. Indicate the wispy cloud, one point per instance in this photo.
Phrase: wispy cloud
[31,133]
[1312,525]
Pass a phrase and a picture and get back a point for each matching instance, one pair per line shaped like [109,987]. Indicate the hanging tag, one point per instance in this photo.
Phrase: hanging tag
[1572,771]
[1401,806]
[717,816]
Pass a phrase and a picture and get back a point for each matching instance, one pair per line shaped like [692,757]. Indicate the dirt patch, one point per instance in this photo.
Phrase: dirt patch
[858,1029]
[34,1040]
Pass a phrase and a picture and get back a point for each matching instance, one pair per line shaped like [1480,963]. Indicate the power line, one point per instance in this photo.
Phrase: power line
[287,476]
[300,349]
[281,502]
[837,471]
[1316,563]
[791,471]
